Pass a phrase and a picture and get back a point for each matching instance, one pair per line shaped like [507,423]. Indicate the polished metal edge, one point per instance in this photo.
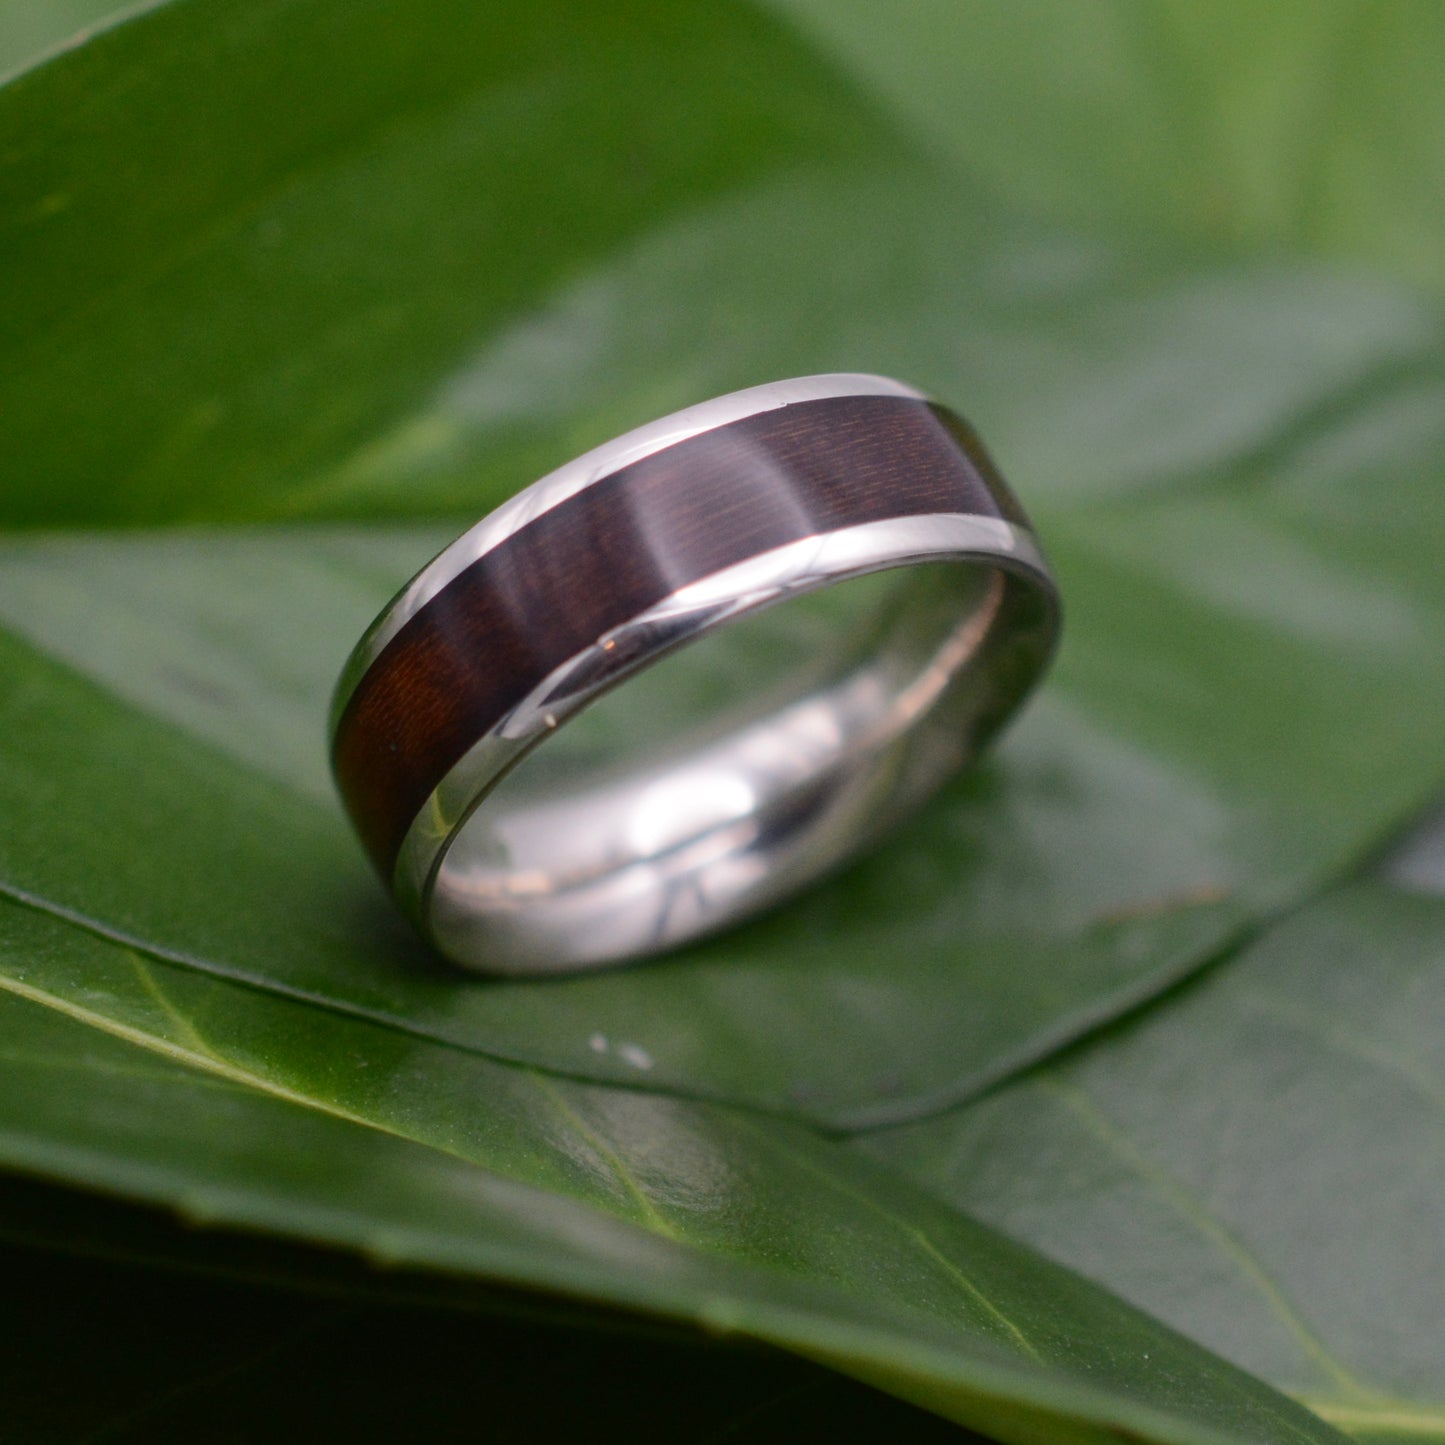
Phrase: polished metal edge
[576,476]
[681,617]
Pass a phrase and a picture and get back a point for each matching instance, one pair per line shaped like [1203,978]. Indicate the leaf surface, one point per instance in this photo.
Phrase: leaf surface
[1261,1163]
[256,347]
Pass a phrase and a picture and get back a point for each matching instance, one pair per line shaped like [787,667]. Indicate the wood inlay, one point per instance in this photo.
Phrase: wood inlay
[625,543]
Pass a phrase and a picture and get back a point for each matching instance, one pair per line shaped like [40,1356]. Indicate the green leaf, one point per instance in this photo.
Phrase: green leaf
[161,1084]
[279,362]
[1029,903]
[1260,1163]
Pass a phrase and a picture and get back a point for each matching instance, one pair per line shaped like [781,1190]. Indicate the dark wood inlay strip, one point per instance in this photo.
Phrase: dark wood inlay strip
[617,548]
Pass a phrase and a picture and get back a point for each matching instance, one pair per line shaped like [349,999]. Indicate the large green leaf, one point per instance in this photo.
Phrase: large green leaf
[257,344]
[1028,904]
[1262,1163]
[157,1082]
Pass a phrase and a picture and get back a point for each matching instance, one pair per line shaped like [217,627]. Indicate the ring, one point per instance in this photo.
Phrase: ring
[822,599]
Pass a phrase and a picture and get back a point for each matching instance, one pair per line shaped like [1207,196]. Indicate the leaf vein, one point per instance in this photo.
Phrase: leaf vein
[653,1219]
[1324,1032]
[919,1237]
[1074,1098]
[1402,1418]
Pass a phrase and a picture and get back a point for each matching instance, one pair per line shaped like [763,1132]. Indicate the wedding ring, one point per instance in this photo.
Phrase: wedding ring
[678,678]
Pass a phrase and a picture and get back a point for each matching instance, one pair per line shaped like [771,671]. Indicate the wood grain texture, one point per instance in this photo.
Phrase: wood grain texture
[617,548]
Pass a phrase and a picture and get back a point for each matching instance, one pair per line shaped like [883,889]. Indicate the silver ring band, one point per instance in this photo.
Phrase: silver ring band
[823,600]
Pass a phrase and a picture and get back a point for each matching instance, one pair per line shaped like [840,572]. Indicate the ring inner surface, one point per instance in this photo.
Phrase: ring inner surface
[720,776]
